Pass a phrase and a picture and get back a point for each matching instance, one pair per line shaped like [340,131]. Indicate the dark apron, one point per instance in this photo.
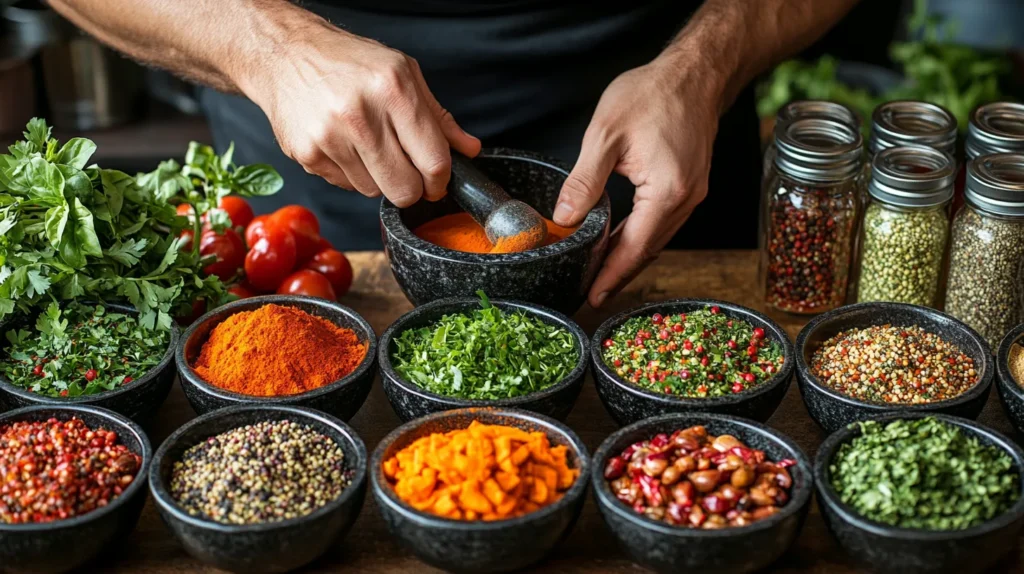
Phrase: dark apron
[518,74]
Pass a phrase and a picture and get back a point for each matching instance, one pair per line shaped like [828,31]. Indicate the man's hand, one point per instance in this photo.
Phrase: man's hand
[656,125]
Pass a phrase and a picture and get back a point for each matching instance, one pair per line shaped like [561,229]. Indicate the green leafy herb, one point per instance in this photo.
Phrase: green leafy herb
[68,231]
[485,354]
[81,350]
[923,473]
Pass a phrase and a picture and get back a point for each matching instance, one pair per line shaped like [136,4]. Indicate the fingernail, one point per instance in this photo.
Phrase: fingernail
[563,213]
[600,299]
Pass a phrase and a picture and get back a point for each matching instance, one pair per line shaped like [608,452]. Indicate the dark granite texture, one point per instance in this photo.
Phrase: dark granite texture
[411,401]
[67,545]
[1010,391]
[628,403]
[138,400]
[480,547]
[882,548]
[557,276]
[341,398]
[833,410]
[260,548]
[665,548]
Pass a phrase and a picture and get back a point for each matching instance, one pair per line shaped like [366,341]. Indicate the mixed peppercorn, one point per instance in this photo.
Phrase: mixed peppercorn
[697,480]
[700,354]
[890,364]
[54,470]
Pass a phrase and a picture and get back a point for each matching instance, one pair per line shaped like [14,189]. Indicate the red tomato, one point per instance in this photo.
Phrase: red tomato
[324,244]
[243,290]
[254,230]
[228,248]
[270,259]
[185,210]
[307,282]
[189,235]
[303,225]
[333,265]
[238,210]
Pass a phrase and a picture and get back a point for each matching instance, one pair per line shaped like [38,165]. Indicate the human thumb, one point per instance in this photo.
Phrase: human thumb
[585,184]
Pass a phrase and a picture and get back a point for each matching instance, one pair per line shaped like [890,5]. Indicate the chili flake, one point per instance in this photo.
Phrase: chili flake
[701,354]
[52,470]
[890,364]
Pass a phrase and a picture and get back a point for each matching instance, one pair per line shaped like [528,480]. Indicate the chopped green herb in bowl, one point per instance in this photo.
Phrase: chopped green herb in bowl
[80,350]
[485,354]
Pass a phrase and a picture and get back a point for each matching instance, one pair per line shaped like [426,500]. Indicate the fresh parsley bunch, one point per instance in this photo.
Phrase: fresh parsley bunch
[71,230]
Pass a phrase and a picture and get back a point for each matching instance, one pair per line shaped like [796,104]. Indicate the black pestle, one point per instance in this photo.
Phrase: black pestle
[500,215]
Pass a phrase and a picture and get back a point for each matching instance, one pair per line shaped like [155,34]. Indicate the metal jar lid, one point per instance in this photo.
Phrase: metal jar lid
[818,109]
[995,183]
[910,122]
[818,149]
[912,176]
[995,128]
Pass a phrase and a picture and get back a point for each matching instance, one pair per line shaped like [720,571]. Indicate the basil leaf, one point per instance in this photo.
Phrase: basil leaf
[75,153]
[114,184]
[257,180]
[37,133]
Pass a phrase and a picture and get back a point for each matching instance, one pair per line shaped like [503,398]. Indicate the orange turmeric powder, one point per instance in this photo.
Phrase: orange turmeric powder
[460,232]
[482,472]
[277,350]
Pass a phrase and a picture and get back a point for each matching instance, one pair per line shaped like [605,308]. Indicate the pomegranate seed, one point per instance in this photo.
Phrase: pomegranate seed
[749,377]
[614,469]
[758,333]
[608,343]
[657,319]
[677,328]
[715,310]
[731,344]
[687,344]
[38,370]
[663,334]
[737,387]
[90,375]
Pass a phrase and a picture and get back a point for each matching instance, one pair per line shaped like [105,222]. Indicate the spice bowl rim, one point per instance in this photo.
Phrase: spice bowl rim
[385,493]
[165,501]
[798,497]
[186,370]
[592,227]
[1007,382]
[123,424]
[827,495]
[166,361]
[776,333]
[460,304]
[982,385]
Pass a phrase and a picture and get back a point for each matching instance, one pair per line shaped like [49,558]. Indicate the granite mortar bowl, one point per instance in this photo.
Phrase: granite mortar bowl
[884,548]
[480,547]
[1010,393]
[411,401]
[556,276]
[65,545]
[138,400]
[268,547]
[833,410]
[342,398]
[628,403]
[666,548]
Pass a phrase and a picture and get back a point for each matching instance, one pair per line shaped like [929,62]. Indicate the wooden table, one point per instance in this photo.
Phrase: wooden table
[729,276]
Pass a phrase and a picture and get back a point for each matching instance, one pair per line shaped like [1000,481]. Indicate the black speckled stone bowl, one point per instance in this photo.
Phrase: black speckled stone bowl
[834,410]
[883,548]
[412,401]
[341,398]
[138,400]
[556,276]
[480,547]
[665,548]
[71,544]
[1010,392]
[629,403]
[260,548]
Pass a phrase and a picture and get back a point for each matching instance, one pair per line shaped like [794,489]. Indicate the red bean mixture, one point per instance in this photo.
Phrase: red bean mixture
[888,364]
[55,470]
[696,480]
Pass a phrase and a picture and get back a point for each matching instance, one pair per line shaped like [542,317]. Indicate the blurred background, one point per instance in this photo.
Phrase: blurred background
[951,52]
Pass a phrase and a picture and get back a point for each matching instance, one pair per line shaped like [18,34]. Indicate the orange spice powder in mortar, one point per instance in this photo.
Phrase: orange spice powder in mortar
[460,232]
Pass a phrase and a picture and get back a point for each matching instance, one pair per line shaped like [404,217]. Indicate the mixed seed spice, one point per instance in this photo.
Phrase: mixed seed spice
[695,480]
[266,472]
[705,353]
[902,254]
[923,473]
[54,470]
[891,364]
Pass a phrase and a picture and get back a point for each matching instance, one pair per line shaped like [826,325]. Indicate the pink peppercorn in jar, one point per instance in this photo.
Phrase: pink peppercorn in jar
[810,202]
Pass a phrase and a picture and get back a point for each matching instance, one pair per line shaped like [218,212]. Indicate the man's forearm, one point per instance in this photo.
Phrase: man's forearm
[220,43]
[735,40]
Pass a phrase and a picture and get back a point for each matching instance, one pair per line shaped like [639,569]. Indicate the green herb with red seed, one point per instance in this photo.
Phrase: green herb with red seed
[701,354]
[80,350]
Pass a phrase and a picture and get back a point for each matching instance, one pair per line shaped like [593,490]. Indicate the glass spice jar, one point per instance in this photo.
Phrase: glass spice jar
[993,128]
[986,268]
[906,225]
[808,109]
[809,205]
